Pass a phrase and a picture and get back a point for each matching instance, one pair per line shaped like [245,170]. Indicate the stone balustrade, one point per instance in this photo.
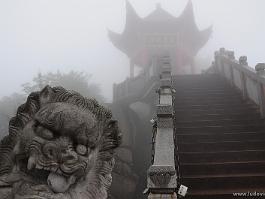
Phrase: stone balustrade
[161,176]
[135,85]
[250,81]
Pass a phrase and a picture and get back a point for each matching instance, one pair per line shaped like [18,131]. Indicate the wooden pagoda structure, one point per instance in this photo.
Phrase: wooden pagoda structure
[161,33]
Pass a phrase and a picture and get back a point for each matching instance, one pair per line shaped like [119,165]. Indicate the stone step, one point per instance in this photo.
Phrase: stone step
[219,136]
[185,80]
[227,193]
[214,116]
[220,122]
[202,88]
[224,156]
[221,129]
[226,168]
[224,111]
[222,137]
[214,100]
[199,91]
[212,106]
[221,146]
[222,182]
[204,92]
[198,84]
[197,76]
[194,81]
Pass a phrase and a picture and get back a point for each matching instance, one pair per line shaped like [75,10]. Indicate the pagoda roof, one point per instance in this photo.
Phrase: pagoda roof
[159,22]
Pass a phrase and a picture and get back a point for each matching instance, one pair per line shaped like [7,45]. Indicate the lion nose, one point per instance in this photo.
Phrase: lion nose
[51,151]
[68,156]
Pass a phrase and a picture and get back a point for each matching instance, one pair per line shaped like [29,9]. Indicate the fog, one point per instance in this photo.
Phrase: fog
[50,35]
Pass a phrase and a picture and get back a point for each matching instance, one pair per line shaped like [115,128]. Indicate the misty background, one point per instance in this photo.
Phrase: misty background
[41,36]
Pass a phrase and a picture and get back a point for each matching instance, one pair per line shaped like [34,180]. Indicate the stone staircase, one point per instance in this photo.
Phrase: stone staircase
[220,138]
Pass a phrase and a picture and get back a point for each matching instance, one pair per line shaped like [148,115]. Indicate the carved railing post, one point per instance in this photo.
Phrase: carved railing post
[217,62]
[161,176]
[231,56]
[260,69]
[243,62]
[222,53]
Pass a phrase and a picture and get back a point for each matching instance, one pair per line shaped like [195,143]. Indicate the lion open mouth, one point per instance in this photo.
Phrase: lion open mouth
[53,176]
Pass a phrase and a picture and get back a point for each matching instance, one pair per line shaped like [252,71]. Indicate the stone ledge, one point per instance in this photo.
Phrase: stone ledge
[162,196]
[164,110]
[166,68]
[161,169]
[165,123]
[165,75]
[162,176]
[165,83]
[165,91]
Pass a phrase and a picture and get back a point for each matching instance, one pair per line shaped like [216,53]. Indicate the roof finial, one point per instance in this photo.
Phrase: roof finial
[158,6]
[130,12]
[188,11]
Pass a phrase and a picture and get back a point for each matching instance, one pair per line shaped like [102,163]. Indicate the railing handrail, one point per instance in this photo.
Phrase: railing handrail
[246,69]
[250,81]
[162,175]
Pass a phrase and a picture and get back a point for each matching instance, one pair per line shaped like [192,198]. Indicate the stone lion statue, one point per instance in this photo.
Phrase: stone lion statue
[60,146]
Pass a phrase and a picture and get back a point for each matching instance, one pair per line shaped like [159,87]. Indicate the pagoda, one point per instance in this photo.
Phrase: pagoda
[159,33]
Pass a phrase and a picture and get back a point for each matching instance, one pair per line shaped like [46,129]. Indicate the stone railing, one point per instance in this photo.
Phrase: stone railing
[161,176]
[251,82]
[135,85]
[129,87]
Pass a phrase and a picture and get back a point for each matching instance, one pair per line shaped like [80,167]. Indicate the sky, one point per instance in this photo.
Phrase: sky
[50,35]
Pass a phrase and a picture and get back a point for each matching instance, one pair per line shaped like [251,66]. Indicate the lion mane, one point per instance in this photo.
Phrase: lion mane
[60,146]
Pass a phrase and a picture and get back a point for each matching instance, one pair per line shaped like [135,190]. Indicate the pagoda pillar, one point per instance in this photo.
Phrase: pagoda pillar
[131,68]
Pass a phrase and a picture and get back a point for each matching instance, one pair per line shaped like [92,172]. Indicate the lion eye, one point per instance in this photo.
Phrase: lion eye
[81,149]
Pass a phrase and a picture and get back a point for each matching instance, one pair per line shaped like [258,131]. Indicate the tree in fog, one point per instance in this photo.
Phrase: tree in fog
[8,108]
[77,81]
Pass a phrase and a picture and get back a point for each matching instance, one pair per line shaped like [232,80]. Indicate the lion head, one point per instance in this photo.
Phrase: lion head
[60,145]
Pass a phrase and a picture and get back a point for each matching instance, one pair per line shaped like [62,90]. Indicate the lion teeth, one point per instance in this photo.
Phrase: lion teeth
[38,167]
[31,163]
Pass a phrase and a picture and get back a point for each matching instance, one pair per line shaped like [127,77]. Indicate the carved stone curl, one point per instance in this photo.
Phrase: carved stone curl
[60,146]
[243,60]
[230,54]
[222,51]
[161,175]
[260,68]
